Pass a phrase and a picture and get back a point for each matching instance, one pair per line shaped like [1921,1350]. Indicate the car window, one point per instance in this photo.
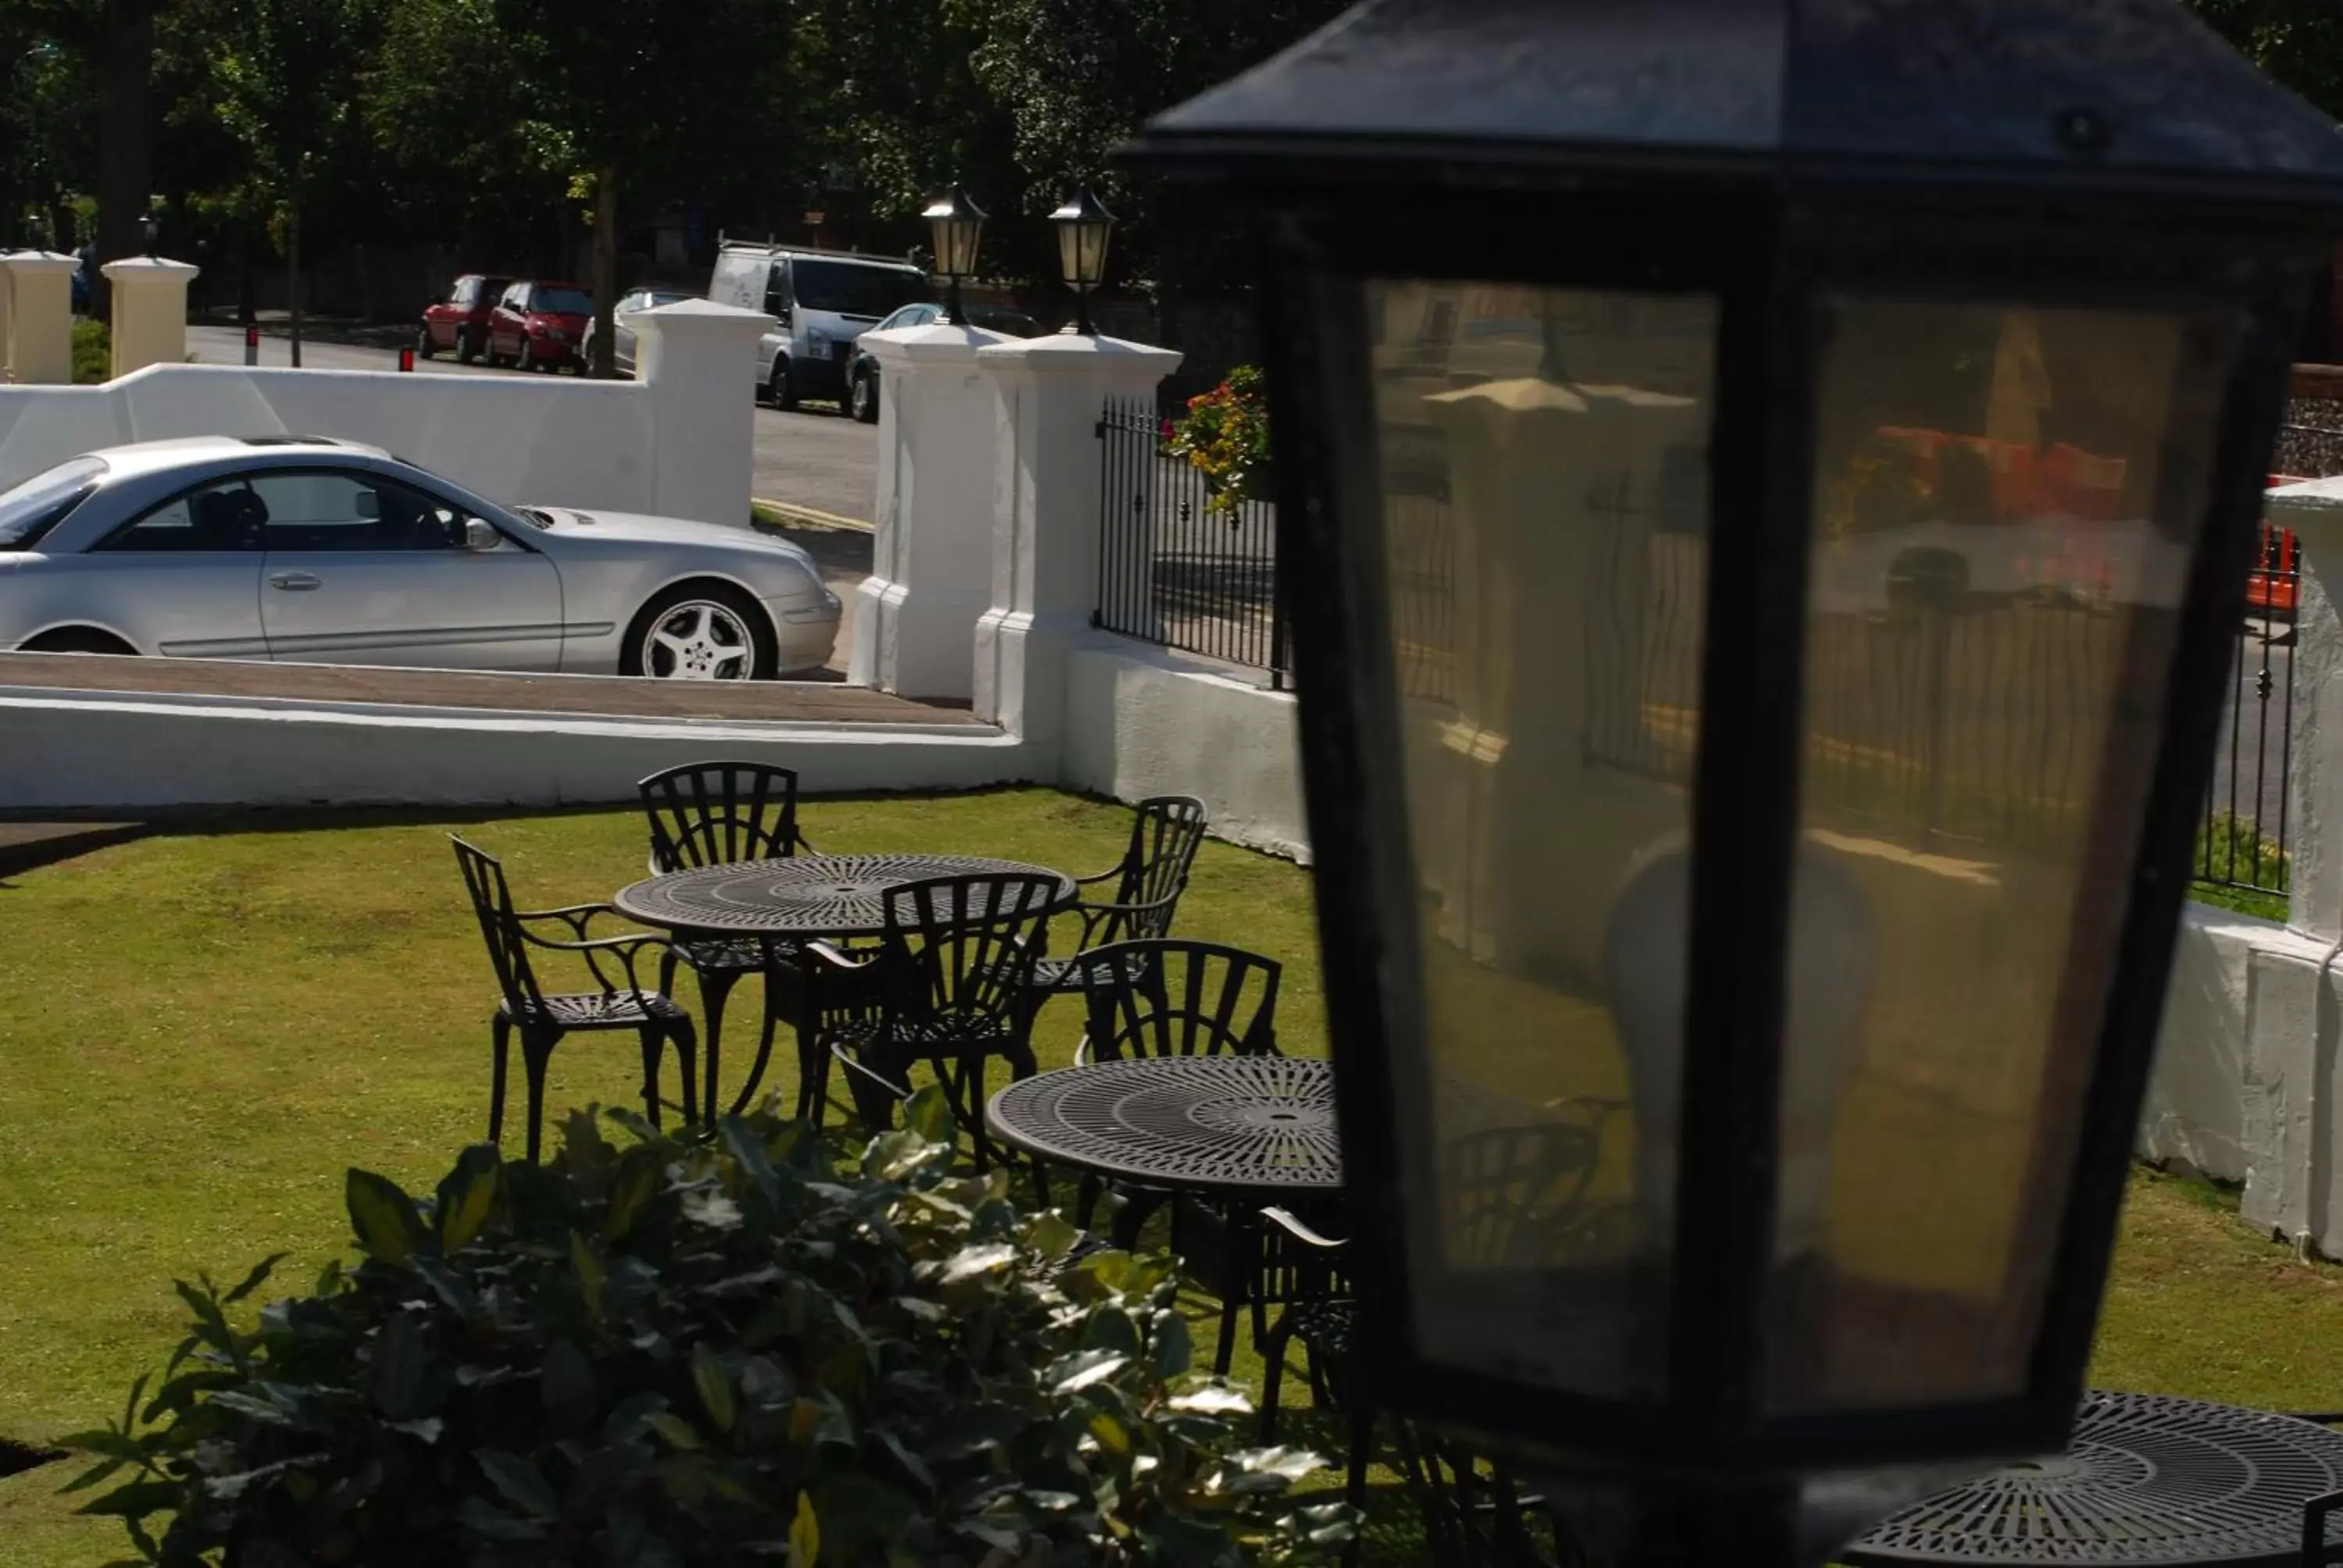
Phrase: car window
[517,297]
[854,289]
[776,289]
[462,293]
[32,508]
[215,518]
[563,301]
[334,509]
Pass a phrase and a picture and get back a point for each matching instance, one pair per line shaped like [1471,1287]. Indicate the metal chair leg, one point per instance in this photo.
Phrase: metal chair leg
[687,1050]
[1355,1488]
[715,987]
[653,1039]
[1272,1355]
[535,1049]
[750,1085]
[500,1032]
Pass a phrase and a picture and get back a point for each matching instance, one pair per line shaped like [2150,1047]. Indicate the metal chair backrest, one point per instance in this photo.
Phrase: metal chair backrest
[718,813]
[1164,841]
[1476,1512]
[484,879]
[963,946]
[1513,1193]
[1164,997]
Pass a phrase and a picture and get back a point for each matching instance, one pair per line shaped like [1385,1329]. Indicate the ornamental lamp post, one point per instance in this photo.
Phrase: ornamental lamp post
[1083,226]
[1776,480]
[955,221]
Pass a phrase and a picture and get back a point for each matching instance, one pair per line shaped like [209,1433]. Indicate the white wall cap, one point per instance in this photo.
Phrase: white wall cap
[1078,354]
[2309,507]
[700,317]
[138,264]
[39,261]
[937,342]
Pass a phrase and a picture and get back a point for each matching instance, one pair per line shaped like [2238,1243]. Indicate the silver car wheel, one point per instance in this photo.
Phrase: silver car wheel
[700,639]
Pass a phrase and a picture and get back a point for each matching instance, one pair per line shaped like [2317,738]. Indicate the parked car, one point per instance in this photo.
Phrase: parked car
[460,322]
[622,335]
[537,325]
[863,379]
[820,301]
[308,549]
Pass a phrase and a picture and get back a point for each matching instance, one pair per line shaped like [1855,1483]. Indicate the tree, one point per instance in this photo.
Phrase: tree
[286,71]
[2298,42]
[657,92]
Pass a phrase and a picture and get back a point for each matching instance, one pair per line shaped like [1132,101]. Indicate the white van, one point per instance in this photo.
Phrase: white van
[822,300]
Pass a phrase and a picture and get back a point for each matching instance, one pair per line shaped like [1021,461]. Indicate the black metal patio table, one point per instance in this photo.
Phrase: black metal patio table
[780,903]
[2145,1479]
[1255,1127]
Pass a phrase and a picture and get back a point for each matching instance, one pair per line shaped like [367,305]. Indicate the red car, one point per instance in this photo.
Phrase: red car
[539,325]
[460,321]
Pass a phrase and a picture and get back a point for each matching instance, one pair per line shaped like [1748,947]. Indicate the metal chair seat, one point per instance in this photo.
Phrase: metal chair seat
[597,1010]
[730,955]
[945,1034]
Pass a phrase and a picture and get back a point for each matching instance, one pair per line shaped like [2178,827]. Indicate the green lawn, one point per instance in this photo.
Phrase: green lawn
[199,1031]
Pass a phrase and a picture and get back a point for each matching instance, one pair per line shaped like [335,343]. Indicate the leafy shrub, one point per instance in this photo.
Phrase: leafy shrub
[670,1353]
[1226,437]
[93,352]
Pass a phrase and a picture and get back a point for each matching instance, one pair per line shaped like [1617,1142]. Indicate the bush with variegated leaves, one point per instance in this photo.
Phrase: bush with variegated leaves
[660,1353]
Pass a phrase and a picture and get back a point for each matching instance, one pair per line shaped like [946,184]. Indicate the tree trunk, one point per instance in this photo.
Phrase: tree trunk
[606,271]
[293,275]
[125,71]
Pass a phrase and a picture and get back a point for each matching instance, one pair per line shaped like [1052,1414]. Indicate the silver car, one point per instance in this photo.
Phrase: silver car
[320,551]
[622,326]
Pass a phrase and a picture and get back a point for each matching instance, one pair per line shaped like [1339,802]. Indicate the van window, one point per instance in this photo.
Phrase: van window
[777,289]
[849,289]
[738,280]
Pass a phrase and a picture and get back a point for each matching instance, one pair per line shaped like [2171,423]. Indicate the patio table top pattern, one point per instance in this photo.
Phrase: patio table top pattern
[803,896]
[1257,1124]
[2145,1479]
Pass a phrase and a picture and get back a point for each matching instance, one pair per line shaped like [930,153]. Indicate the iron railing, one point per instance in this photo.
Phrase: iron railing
[2243,842]
[1173,571]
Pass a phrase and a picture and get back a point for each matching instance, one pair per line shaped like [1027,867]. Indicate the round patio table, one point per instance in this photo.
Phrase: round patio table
[2145,1479]
[803,896]
[1257,1126]
[778,903]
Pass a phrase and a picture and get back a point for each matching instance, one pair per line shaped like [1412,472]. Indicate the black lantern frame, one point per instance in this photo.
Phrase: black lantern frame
[1084,228]
[1347,177]
[957,228]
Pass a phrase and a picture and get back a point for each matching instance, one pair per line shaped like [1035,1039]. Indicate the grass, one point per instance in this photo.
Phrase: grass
[204,1027]
[93,352]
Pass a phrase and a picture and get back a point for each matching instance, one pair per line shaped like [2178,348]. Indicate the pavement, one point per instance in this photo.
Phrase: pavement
[816,458]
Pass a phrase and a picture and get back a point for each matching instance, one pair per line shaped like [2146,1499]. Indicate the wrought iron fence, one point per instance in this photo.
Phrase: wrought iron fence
[1173,571]
[2242,844]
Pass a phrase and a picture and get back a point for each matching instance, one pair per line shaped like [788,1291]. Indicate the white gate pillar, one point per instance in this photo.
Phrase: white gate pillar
[40,317]
[931,557]
[1051,393]
[698,361]
[150,312]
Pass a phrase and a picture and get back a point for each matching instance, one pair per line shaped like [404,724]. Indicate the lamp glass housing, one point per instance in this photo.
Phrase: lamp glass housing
[955,223]
[1084,226]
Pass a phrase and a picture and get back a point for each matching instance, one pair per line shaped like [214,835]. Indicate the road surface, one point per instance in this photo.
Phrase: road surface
[813,458]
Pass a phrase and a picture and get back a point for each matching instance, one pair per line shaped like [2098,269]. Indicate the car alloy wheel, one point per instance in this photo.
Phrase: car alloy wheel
[700,639]
[526,358]
[467,345]
[863,402]
[423,341]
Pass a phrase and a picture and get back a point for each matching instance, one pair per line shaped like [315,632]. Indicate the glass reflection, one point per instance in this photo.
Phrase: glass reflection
[2006,499]
[1544,464]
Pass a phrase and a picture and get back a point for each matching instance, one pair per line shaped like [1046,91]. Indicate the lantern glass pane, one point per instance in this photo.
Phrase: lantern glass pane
[1542,463]
[2006,503]
[955,240]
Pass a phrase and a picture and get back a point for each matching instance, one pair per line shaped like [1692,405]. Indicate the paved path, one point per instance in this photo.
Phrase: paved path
[814,457]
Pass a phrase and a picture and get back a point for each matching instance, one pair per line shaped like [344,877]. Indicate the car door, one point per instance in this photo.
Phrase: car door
[361,568]
[445,319]
[182,579]
[507,321]
[622,336]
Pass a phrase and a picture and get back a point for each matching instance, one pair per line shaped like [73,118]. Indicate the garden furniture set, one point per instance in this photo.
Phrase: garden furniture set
[1178,1096]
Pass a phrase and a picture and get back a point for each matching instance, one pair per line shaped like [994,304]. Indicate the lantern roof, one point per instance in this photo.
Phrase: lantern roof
[2107,95]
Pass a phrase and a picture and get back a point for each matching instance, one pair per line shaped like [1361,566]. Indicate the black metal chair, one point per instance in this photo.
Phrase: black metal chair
[1167,997]
[941,987]
[1147,884]
[714,814]
[1477,1512]
[541,1018]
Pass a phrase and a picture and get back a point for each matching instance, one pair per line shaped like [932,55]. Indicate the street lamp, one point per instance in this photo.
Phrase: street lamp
[1741,998]
[1083,224]
[955,221]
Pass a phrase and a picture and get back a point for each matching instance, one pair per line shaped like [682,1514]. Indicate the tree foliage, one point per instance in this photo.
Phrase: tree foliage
[2298,42]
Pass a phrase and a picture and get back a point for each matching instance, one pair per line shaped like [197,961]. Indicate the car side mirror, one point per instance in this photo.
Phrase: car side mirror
[479,534]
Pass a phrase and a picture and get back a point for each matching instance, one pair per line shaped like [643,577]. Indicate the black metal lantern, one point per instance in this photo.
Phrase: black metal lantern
[1767,489]
[1083,226]
[956,222]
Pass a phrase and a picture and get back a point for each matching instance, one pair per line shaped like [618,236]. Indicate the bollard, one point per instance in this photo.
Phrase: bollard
[252,345]
[407,359]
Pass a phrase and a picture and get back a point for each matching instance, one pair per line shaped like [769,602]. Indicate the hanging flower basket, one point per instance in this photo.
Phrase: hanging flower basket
[1224,436]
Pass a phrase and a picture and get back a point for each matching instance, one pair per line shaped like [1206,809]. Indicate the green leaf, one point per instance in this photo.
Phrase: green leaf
[970,1261]
[446,1285]
[524,1485]
[568,1383]
[678,1432]
[468,1195]
[254,1279]
[715,1386]
[637,1184]
[805,1535]
[589,1274]
[1176,1347]
[1070,1374]
[135,1500]
[482,1517]
[929,1113]
[383,1216]
[211,1324]
[401,1380]
[1052,1235]
[1217,1399]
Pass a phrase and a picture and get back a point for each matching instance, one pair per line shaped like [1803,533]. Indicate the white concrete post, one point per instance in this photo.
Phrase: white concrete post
[2314,785]
[7,344]
[150,312]
[41,318]
[1049,395]
[931,558]
[698,360]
